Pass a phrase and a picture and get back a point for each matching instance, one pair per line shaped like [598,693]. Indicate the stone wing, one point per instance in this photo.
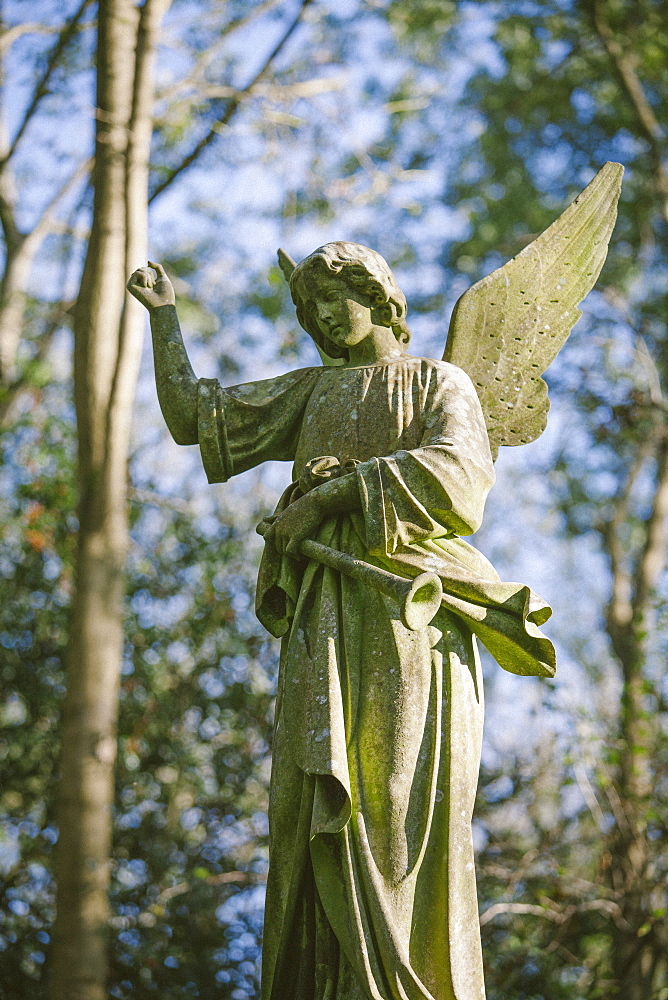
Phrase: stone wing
[509,327]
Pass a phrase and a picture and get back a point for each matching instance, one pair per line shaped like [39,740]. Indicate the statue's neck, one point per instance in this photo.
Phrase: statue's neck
[379,345]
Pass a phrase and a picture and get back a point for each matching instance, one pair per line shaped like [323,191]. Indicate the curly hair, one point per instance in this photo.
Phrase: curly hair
[365,272]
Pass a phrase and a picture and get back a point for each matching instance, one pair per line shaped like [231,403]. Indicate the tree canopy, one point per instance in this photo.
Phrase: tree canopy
[445,135]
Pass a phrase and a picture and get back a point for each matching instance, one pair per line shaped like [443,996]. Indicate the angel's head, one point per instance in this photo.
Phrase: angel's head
[361,276]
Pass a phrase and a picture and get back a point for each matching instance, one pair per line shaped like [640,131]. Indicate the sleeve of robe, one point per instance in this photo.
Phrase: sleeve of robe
[439,488]
[244,425]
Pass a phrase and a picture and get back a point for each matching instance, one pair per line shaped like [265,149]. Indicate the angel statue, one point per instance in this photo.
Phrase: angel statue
[377,597]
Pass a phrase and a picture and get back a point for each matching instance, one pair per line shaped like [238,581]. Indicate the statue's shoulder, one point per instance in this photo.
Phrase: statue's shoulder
[446,372]
[299,373]
[289,385]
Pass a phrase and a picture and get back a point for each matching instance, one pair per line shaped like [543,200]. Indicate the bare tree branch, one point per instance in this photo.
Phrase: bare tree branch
[60,310]
[607,906]
[152,499]
[47,220]
[10,230]
[632,86]
[647,362]
[620,607]
[20,254]
[42,86]
[553,913]
[653,558]
[276,92]
[225,878]
[231,108]
[497,909]
[588,793]
[617,807]
[10,393]
[11,35]
[196,76]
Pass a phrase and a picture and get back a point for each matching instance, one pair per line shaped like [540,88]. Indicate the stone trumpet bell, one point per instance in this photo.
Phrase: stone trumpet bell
[419,599]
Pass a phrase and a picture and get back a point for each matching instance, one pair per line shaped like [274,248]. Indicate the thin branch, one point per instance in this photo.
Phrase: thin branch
[632,85]
[640,350]
[47,219]
[588,793]
[59,313]
[21,254]
[9,393]
[272,91]
[231,108]
[620,608]
[617,806]
[42,86]
[196,75]
[607,906]
[245,19]
[497,909]
[12,234]
[225,878]
[558,946]
[653,558]
[647,362]
[12,34]
[635,92]
[557,916]
[151,499]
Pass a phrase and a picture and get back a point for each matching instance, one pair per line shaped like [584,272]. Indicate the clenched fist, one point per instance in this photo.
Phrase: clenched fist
[151,286]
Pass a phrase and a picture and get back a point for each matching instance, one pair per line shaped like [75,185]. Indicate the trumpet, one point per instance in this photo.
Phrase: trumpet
[419,599]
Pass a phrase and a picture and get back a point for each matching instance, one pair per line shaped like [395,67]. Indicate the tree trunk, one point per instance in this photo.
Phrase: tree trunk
[107,350]
[633,951]
[12,307]
[15,271]
[637,948]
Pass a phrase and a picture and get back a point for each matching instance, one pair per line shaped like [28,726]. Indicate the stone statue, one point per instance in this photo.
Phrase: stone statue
[378,599]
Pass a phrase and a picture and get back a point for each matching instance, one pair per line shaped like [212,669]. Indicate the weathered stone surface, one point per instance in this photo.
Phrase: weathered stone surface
[508,328]
[371,890]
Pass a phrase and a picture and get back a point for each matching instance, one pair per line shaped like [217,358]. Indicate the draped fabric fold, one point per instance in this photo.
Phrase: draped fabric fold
[371,890]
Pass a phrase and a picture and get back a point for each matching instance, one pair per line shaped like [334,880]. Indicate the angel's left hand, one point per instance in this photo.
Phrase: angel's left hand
[297,522]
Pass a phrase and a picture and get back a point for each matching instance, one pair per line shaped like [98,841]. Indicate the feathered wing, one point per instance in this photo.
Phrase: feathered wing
[510,326]
[286,264]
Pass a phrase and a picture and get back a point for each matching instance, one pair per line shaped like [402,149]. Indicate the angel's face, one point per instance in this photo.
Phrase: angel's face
[341,312]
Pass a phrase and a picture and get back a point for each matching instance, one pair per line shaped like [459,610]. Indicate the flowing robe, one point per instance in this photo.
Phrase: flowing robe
[371,889]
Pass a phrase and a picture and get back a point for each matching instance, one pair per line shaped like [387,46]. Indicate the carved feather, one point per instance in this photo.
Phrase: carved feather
[509,327]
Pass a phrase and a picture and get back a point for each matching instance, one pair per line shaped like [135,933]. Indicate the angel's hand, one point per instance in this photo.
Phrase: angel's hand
[299,521]
[151,286]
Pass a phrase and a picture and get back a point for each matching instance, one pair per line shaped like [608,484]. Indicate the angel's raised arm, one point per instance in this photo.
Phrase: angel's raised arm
[175,380]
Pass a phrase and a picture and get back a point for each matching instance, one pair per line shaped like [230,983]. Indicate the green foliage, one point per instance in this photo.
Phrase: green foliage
[190,841]
[422,25]
[549,910]
[559,103]
[546,908]
[36,550]
[542,112]
[193,763]
[549,121]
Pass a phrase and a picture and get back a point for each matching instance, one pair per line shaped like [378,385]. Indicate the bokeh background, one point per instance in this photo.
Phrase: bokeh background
[446,135]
